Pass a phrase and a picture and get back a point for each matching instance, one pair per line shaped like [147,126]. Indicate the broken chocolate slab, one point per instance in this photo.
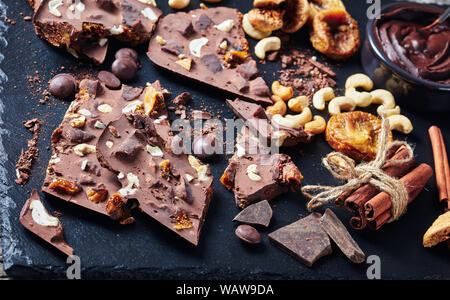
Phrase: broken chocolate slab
[173,189]
[305,240]
[254,174]
[218,49]
[36,219]
[84,27]
[259,213]
[339,234]
[73,168]
[260,122]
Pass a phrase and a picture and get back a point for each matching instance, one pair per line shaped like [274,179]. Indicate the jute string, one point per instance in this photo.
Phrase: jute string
[344,168]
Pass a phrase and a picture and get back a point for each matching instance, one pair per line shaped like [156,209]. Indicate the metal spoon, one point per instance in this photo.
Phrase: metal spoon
[439,20]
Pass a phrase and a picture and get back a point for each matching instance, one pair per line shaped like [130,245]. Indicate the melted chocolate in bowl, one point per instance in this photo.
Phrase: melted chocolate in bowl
[423,53]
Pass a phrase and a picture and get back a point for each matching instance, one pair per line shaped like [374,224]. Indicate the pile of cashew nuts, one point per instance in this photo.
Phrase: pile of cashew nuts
[283,94]
[354,98]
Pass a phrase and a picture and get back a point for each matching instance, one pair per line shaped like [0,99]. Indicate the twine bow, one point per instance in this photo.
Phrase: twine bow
[343,168]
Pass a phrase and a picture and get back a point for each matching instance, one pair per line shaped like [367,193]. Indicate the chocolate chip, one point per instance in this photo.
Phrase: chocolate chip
[130,93]
[204,146]
[182,99]
[63,86]
[273,56]
[127,53]
[212,63]
[79,136]
[249,70]
[93,87]
[203,22]
[248,234]
[184,27]
[106,4]
[109,79]
[240,83]
[124,68]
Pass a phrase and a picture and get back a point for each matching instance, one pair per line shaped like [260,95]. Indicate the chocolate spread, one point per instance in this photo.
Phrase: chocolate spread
[422,52]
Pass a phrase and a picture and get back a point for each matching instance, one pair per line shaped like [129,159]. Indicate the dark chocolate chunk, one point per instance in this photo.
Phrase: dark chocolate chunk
[63,86]
[259,213]
[304,239]
[128,149]
[211,62]
[106,4]
[339,234]
[240,83]
[248,234]
[248,70]
[124,68]
[78,136]
[259,87]
[172,48]
[130,14]
[182,99]
[109,79]
[93,87]
[203,22]
[184,27]
[127,53]
[130,93]
[47,228]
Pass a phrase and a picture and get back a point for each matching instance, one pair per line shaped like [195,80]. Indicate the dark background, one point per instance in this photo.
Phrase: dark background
[147,249]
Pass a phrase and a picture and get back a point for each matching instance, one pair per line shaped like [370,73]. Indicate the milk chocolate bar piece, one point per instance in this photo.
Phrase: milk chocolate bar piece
[267,131]
[305,240]
[36,219]
[339,234]
[254,174]
[74,173]
[173,189]
[209,46]
[84,27]
[259,213]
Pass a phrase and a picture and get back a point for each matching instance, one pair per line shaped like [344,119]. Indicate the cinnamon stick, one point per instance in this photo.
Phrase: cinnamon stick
[414,182]
[440,164]
[358,222]
[379,221]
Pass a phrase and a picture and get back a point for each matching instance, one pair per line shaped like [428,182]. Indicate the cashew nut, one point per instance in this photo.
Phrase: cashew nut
[294,121]
[341,103]
[386,112]
[317,126]
[359,80]
[272,43]
[362,99]
[400,123]
[281,91]
[384,97]
[322,95]
[278,108]
[252,31]
[179,4]
[297,104]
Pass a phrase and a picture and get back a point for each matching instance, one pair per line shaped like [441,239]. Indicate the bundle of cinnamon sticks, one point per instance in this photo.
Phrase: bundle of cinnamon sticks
[372,207]
[441,165]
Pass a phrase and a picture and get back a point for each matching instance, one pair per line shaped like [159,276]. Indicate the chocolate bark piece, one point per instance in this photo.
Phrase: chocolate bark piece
[260,122]
[305,239]
[338,233]
[36,219]
[173,189]
[254,174]
[217,46]
[73,171]
[84,27]
[259,213]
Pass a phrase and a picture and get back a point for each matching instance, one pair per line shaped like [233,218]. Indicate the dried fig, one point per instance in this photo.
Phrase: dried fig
[266,19]
[357,134]
[297,13]
[335,33]
[317,6]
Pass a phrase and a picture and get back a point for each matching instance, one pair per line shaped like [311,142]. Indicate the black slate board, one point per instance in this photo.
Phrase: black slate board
[148,250]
